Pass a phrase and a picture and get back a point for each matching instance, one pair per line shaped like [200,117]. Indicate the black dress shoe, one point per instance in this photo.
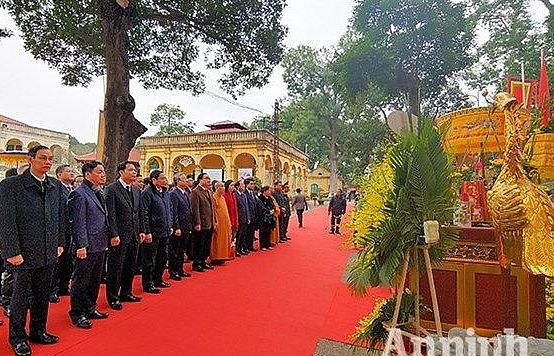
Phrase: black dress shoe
[175,276]
[43,338]
[82,323]
[162,284]
[116,305]
[22,348]
[53,298]
[186,274]
[208,266]
[130,298]
[151,290]
[198,269]
[63,292]
[95,314]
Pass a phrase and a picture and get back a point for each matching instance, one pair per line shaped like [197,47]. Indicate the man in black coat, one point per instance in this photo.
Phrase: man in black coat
[88,217]
[123,204]
[64,267]
[285,210]
[180,202]
[157,224]
[337,208]
[32,232]
[251,201]
[244,220]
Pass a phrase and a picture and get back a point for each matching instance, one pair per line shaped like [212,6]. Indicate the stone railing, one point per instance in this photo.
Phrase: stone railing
[218,137]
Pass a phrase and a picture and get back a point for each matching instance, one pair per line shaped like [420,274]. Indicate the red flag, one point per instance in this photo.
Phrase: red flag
[543,101]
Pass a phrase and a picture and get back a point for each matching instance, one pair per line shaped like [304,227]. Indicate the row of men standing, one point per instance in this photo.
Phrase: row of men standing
[46,227]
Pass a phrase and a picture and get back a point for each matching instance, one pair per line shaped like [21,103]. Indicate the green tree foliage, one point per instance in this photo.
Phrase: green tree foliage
[80,148]
[513,38]
[406,49]
[154,42]
[170,120]
[338,134]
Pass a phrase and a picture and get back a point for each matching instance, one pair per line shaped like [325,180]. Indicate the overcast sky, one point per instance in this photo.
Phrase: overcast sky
[31,92]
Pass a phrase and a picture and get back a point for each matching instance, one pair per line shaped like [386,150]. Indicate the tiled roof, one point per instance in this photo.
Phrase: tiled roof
[8,120]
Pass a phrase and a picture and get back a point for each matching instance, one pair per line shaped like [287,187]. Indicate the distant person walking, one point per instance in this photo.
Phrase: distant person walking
[300,204]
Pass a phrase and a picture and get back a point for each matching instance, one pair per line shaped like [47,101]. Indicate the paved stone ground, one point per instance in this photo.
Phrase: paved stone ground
[333,348]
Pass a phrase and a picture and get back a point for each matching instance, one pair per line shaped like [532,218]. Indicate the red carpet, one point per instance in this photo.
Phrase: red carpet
[278,302]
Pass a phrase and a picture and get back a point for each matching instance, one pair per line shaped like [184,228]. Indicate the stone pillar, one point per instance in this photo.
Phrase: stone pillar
[167,169]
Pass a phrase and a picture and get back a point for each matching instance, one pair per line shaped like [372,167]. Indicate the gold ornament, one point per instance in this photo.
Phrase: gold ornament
[521,212]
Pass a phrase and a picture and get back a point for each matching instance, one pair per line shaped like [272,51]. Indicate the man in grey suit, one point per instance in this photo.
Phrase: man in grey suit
[32,232]
[89,224]
[123,203]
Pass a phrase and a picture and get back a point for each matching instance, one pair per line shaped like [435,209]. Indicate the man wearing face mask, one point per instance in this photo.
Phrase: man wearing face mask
[89,223]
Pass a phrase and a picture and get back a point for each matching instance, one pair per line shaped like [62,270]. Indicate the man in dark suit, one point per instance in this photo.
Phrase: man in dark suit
[203,218]
[89,224]
[285,209]
[64,267]
[123,203]
[180,201]
[244,220]
[32,232]
[251,200]
[158,223]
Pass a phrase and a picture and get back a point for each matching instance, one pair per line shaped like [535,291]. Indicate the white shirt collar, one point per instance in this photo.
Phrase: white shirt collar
[125,185]
[37,178]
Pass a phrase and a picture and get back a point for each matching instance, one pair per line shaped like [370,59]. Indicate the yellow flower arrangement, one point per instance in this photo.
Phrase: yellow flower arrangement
[375,189]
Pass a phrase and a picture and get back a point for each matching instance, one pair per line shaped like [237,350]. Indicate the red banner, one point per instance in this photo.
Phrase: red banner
[543,97]
[524,92]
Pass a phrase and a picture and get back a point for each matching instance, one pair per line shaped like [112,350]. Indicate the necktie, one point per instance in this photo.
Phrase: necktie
[130,192]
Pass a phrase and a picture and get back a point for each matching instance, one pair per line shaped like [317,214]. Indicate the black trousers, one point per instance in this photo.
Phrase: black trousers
[335,223]
[202,244]
[85,286]
[34,283]
[250,237]
[265,238]
[154,259]
[300,215]
[7,288]
[189,247]
[122,262]
[62,273]
[283,225]
[241,238]
[176,252]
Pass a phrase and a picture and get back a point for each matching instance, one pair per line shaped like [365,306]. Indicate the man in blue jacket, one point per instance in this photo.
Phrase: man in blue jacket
[182,211]
[89,225]
[32,234]
[157,225]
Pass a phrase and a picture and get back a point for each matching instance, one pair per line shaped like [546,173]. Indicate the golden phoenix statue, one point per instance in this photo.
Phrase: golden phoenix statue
[522,212]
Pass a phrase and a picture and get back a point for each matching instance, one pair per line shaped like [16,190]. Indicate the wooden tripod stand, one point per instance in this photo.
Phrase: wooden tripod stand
[400,292]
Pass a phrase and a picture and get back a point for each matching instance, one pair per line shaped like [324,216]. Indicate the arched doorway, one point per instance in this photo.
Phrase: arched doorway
[184,164]
[214,165]
[245,165]
[32,144]
[268,169]
[154,163]
[14,144]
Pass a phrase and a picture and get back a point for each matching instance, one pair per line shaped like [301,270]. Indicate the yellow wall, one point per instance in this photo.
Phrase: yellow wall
[229,151]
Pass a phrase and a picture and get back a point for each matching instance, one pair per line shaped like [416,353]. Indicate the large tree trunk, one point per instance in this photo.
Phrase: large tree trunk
[121,129]
[333,154]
